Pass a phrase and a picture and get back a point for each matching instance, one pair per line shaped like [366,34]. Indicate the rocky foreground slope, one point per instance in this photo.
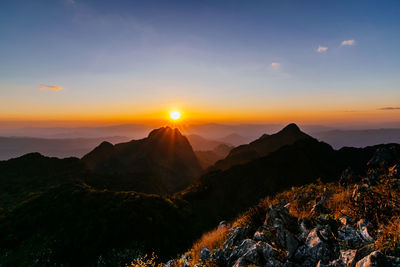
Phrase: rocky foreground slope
[353,222]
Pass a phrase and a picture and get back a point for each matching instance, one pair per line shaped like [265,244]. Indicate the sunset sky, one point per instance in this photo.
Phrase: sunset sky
[216,61]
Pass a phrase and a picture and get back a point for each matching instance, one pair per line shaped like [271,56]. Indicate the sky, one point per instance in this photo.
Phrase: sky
[215,61]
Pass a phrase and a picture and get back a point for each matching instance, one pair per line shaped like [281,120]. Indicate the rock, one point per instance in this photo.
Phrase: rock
[374,259]
[266,250]
[220,257]
[223,224]
[246,246]
[315,249]
[350,238]
[320,205]
[290,264]
[280,217]
[305,227]
[204,254]
[170,263]
[236,236]
[260,235]
[288,241]
[363,231]
[345,220]
[348,257]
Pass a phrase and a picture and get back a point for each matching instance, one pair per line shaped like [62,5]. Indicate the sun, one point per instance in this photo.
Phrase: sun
[175,115]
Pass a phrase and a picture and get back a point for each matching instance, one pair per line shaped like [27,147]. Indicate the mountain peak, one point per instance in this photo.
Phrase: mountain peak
[166,130]
[292,127]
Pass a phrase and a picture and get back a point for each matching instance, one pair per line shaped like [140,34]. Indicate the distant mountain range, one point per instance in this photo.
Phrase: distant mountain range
[12,147]
[97,209]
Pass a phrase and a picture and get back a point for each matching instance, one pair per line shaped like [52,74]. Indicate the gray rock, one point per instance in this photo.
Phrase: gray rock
[348,257]
[350,238]
[345,220]
[266,250]
[375,259]
[205,254]
[246,246]
[315,249]
[280,217]
[288,241]
[363,231]
[260,235]
[236,236]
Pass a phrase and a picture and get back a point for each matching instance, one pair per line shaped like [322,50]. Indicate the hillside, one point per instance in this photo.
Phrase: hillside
[86,212]
[165,155]
[319,224]
[12,147]
[261,147]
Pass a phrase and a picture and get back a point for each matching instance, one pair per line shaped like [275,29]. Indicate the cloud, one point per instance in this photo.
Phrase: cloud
[275,64]
[348,42]
[50,87]
[389,108]
[322,49]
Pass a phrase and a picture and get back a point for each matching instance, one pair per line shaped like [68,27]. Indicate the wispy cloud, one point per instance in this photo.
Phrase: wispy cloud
[275,64]
[322,49]
[50,87]
[348,42]
[389,108]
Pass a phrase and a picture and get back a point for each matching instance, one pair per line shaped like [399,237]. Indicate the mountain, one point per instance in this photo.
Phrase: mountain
[84,212]
[209,157]
[165,154]
[200,143]
[27,176]
[261,147]
[11,147]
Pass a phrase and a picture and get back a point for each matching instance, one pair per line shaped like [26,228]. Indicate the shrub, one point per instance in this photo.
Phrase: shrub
[212,240]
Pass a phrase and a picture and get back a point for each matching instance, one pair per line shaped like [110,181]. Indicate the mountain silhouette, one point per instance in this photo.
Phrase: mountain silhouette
[261,147]
[165,154]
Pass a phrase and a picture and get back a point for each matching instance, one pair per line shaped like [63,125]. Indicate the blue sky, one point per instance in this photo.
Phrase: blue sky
[238,60]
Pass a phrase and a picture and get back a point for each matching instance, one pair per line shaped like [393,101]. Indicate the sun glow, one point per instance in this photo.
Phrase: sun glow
[175,115]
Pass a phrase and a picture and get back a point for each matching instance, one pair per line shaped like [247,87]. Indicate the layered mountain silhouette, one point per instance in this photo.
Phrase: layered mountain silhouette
[261,147]
[64,212]
[165,154]
[208,158]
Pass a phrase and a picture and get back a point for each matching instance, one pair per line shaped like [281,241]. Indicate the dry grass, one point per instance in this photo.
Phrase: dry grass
[339,202]
[212,240]
[145,261]
[388,239]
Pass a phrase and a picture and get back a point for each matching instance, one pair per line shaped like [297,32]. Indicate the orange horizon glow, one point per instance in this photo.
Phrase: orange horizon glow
[218,116]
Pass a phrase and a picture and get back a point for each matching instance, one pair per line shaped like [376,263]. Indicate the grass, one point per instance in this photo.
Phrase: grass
[212,240]
[384,216]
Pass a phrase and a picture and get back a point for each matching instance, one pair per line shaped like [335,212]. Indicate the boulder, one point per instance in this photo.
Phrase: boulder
[350,238]
[246,246]
[375,259]
[235,237]
[205,254]
[363,231]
